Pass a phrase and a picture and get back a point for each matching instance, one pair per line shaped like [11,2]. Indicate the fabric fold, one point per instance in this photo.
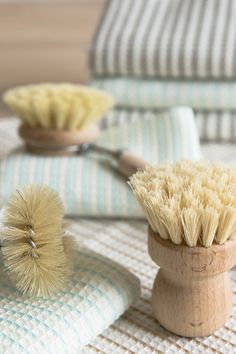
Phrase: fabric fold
[214,102]
[151,94]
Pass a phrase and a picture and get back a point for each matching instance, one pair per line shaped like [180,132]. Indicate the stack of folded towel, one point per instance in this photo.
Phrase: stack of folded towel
[153,54]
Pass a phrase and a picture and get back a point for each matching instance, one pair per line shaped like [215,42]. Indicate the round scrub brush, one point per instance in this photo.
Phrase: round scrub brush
[31,240]
[58,114]
[59,119]
[191,211]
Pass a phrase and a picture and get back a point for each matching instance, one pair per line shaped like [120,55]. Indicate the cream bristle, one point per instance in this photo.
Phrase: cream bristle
[190,202]
[172,223]
[58,106]
[32,241]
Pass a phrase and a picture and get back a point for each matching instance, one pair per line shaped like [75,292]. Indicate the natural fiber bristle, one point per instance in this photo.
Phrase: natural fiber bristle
[32,241]
[191,202]
[58,106]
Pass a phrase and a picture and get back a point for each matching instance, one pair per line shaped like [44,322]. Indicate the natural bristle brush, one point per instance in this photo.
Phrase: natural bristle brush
[34,252]
[58,119]
[191,211]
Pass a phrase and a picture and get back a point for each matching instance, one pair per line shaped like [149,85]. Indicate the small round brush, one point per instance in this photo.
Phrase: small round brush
[59,119]
[57,115]
[191,211]
[32,243]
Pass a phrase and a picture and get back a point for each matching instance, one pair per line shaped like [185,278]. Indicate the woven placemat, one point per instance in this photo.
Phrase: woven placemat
[137,331]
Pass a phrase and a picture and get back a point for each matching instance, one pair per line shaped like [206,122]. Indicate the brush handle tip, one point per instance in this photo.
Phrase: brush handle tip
[130,163]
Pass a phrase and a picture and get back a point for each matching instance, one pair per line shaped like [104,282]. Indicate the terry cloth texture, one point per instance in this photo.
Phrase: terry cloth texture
[98,293]
[89,185]
[166,38]
[164,53]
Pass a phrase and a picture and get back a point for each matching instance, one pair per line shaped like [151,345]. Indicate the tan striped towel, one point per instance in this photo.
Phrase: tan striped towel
[166,38]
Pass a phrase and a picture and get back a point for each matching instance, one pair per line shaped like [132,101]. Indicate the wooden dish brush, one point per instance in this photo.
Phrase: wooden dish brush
[34,252]
[191,211]
[59,119]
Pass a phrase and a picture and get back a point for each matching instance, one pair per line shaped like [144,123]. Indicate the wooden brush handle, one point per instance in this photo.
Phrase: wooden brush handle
[129,163]
[192,293]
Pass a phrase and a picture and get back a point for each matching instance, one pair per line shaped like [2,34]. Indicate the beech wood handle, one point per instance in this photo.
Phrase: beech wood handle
[129,163]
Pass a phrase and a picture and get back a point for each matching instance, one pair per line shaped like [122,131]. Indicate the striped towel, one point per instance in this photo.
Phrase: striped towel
[216,126]
[154,54]
[166,38]
[214,102]
[148,94]
[99,292]
[88,185]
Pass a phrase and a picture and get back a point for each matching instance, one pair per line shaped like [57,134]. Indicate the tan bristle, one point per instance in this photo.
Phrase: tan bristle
[32,241]
[190,202]
[191,221]
[58,106]
[226,224]
[209,225]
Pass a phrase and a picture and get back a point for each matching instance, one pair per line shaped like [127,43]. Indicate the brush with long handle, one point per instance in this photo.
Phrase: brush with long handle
[34,250]
[59,119]
[191,211]
[41,142]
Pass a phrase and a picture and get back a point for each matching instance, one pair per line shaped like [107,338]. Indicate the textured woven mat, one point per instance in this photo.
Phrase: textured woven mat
[137,331]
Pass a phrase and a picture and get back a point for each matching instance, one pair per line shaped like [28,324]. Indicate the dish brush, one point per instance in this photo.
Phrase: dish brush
[59,119]
[191,211]
[35,254]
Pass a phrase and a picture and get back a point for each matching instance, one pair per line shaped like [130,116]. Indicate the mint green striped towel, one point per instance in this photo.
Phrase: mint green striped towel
[87,184]
[99,292]
[159,93]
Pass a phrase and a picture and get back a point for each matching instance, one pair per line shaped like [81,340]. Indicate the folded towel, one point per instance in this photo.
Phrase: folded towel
[166,38]
[87,184]
[216,126]
[213,126]
[99,292]
[147,93]
[214,102]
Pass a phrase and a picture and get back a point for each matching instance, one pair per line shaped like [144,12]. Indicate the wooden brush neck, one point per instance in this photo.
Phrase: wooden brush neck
[196,261]
[37,139]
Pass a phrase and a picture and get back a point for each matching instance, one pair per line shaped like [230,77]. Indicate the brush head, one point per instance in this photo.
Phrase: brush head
[58,106]
[32,241]
[190,202]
